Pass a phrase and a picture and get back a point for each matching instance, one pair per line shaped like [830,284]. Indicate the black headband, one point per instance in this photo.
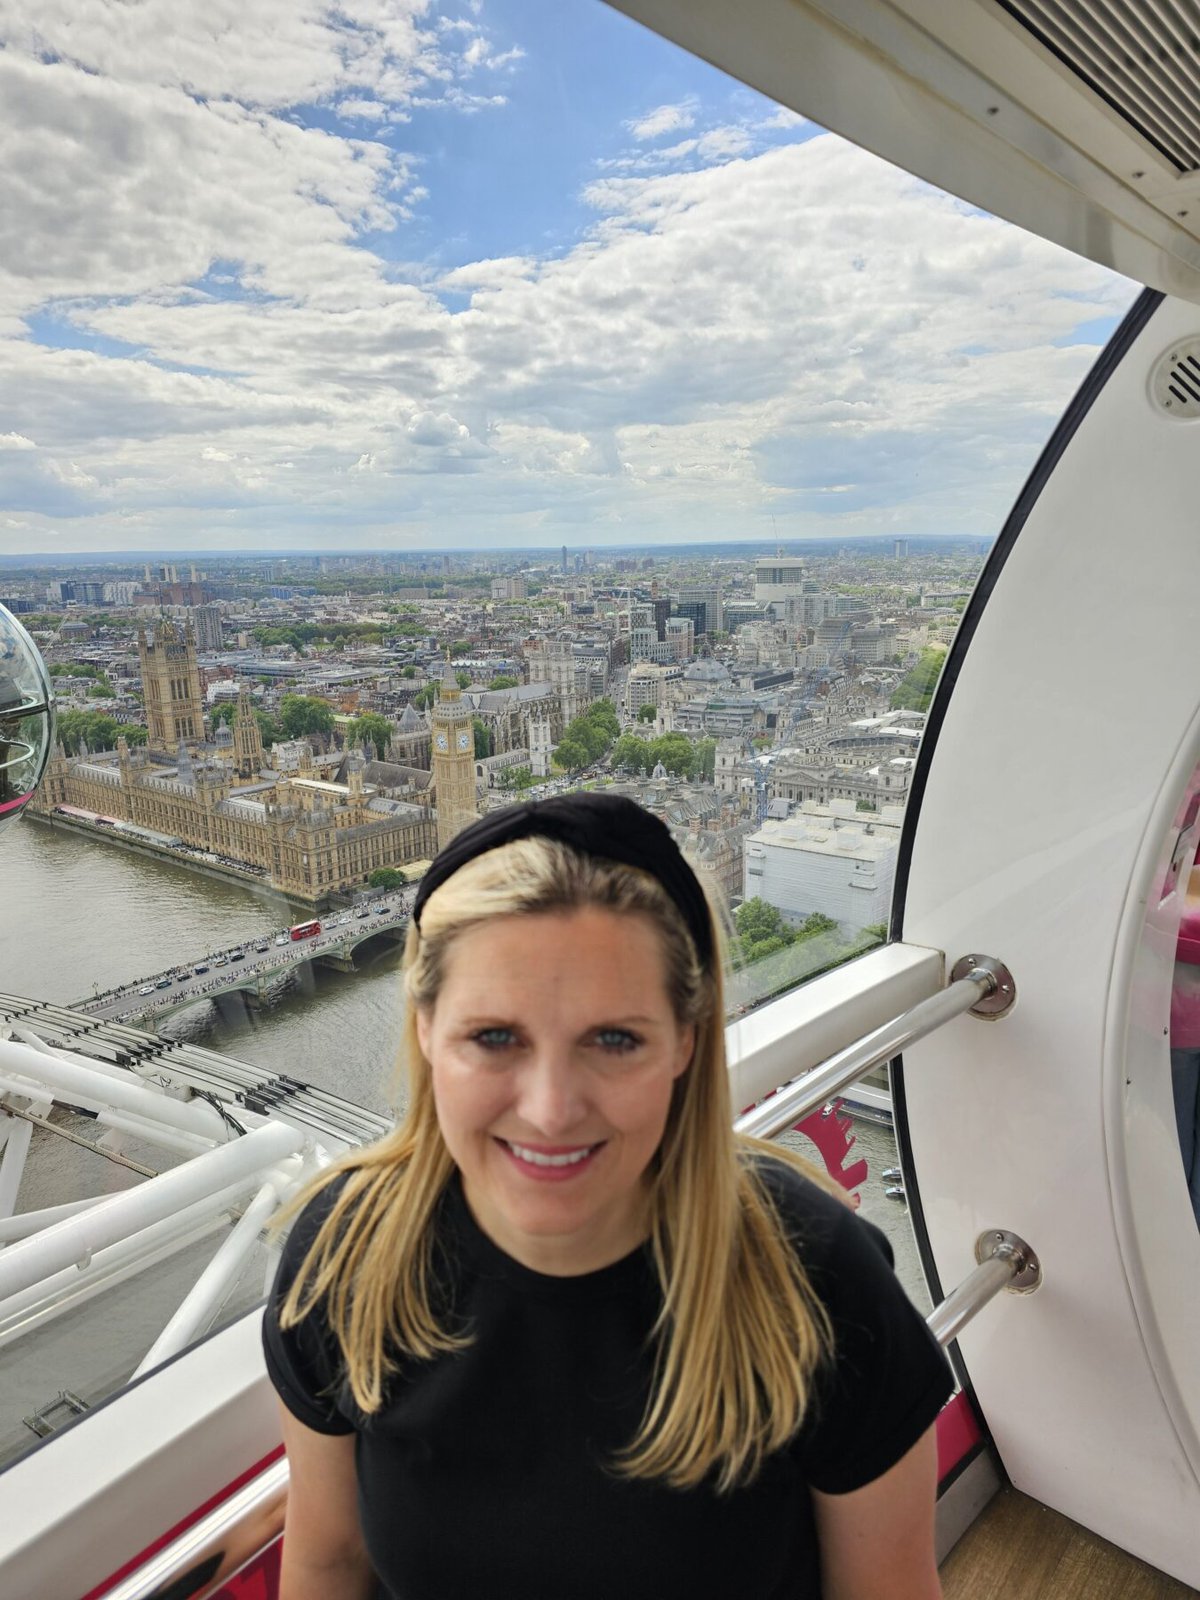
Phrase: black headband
[605,825]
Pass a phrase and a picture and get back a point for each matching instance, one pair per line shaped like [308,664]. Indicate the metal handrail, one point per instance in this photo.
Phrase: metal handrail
[1005,1262]
[797,1100]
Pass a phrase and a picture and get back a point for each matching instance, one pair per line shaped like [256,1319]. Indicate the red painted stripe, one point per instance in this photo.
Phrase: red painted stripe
[12,805]
[957,1434]
[181,1527]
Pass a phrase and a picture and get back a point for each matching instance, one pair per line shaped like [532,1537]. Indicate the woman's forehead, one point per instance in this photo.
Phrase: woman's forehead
[589,951]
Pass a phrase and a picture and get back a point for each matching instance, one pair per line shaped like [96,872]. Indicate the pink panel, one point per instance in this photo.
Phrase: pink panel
[957,1434]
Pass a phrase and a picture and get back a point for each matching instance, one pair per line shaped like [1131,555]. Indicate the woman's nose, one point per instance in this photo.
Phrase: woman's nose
[551,1101]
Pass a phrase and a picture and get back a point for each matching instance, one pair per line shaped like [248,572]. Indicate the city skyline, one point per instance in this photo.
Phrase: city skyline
[426,276]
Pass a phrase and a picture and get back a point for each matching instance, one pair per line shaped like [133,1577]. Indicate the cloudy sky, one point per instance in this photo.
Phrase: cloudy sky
[284,274]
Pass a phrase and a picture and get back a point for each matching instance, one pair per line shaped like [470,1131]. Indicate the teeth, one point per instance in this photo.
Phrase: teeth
[537,1159]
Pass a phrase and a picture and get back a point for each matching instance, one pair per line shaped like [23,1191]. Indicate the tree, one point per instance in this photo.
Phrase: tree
[408,672]
[483,738]
[915,689]
[301,714]
[387,878]
[463,679]
[572,754]
[593,733]
[370,728]
[222,712]
[630,751]
[100,732]
[425,697]
[647,713]
[674,750]
[502,682]
[757,920]
[816,922]
[704,760]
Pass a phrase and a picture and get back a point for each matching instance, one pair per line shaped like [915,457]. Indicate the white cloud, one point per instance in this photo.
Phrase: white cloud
[663,119]
[270,54]
[796,331]
[782,118]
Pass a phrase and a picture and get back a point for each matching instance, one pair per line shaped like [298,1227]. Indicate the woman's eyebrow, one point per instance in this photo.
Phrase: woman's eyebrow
[496,1019]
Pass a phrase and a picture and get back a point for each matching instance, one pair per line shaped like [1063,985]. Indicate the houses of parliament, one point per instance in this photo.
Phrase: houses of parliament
[308,832]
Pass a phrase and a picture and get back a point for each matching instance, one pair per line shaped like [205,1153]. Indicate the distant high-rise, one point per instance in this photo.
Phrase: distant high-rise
[564,558]
[900,548]
[207,622]
[776,580]
[702,602]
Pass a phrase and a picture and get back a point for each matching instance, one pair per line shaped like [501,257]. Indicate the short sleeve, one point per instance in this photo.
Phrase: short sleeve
[304,1361]
[888,1378]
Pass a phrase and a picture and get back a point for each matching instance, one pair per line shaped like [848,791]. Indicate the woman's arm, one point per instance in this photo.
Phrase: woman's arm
[879,1539]
[324,1557]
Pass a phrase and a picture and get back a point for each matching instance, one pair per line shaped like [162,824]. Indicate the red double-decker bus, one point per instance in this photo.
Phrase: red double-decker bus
[306,930]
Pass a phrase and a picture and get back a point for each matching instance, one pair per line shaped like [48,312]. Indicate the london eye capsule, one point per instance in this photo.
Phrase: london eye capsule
[26,718]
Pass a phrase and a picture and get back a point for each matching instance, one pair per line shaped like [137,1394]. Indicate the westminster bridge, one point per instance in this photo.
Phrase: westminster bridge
[256,965]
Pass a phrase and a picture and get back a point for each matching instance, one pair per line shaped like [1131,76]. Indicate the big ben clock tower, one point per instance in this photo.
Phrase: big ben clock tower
[453,760]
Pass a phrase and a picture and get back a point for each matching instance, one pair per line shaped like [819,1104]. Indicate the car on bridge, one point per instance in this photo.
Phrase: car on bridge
[220,961]
[163,983]
[238,955]
[261,947]
[201,966]
[146,988]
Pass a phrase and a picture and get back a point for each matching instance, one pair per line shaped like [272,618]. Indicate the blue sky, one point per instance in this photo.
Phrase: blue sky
[275,273]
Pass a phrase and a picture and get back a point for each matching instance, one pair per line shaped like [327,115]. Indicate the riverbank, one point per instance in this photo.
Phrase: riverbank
[182,857]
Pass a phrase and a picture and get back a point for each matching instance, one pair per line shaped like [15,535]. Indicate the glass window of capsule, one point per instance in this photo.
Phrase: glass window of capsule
[26,717]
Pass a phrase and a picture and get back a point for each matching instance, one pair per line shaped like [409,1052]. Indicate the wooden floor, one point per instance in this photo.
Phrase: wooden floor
[1020,1550]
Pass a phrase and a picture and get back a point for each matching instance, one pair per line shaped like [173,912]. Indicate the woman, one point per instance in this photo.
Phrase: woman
[562,1334]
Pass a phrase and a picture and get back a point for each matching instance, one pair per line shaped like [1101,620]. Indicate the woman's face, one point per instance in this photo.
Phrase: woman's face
[554,1050]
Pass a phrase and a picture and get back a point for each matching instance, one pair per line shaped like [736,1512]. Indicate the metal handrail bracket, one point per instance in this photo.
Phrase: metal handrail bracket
[797,1100]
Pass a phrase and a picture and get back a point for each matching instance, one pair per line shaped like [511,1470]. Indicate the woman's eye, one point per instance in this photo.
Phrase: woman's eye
[618,1040]
[493,1038]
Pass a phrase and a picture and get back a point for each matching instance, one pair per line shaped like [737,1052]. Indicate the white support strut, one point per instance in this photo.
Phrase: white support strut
[77,1083]
[75,1239]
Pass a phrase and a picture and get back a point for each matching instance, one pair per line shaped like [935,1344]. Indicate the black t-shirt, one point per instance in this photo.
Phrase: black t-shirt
[488,1472]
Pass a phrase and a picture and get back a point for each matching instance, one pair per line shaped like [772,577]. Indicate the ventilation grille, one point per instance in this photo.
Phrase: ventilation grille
[1141,56]
[1175,381]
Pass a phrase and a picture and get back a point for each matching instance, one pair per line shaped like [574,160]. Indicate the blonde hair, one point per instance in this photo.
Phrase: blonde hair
[741,1331]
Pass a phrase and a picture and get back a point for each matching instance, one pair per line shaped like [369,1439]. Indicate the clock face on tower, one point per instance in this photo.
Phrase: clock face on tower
[464,739]
[441,742]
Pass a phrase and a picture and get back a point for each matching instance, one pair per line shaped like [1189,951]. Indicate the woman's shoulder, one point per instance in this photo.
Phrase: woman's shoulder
[823,1226]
